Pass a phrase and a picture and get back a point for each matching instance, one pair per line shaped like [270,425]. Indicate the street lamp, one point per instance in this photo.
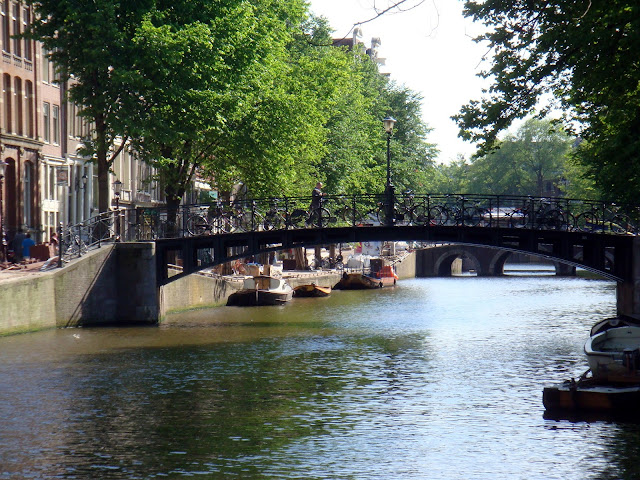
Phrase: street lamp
[3,237]
[388,123]
[117,191]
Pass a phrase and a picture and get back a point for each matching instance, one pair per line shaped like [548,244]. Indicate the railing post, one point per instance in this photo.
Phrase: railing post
[389,199]
[353,211]
[79,240]
[116,215]
[60,245]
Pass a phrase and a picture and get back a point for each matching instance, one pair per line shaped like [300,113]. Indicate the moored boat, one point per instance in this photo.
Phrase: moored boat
[380,276]
[358,281]
[261,290]
[614,354]
[311,290]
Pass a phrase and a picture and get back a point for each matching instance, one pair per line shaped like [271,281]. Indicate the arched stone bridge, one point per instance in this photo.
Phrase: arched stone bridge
[437,261]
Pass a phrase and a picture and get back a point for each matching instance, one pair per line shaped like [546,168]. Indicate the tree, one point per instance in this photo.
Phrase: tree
[525,161]
[202,69]
[412,156]
[92,43]
[585,54]
[451,177]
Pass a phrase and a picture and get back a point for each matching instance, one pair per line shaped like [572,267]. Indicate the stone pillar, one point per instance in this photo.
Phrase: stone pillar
[628,293]
[136,287]
[564,269]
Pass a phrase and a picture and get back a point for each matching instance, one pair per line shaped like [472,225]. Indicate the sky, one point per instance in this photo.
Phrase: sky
[428,49]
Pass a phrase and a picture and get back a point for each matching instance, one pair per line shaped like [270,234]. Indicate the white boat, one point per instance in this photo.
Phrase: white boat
[614,354]
[261,290]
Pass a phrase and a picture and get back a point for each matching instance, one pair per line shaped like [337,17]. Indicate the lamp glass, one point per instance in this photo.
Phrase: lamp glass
[117,187]
[389,122]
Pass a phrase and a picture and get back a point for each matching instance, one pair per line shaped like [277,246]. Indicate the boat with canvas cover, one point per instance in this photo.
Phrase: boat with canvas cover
[311,290]
[261,290]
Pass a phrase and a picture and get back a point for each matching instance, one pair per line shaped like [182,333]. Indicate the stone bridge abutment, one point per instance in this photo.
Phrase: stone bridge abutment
[442,261]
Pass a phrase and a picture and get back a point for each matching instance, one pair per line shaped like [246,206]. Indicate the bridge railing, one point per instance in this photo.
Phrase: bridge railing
[469,210]
[409,209]
[76,240]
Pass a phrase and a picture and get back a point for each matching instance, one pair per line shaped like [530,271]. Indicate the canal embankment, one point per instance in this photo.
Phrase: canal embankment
[116,285]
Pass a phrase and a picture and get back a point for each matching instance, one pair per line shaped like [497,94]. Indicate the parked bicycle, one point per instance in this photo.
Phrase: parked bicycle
[211,220]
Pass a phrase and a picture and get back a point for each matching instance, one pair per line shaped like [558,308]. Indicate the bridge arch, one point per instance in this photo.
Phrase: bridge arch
[443,265]
[611,256]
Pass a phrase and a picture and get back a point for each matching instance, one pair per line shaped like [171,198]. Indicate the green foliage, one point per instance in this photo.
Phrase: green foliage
[585,54]
[524,163]
[93,43]
[236,90]
[528,162]
[412,156]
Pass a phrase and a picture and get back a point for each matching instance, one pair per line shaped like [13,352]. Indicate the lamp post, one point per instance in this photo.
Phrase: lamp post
[388,123]
[117,191]
[3,237]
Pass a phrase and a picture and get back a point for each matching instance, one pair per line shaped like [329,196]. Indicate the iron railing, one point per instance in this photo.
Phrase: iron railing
[361,211]
[490,211]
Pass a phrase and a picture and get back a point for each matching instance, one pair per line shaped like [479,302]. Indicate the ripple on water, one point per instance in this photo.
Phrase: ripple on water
[437,379]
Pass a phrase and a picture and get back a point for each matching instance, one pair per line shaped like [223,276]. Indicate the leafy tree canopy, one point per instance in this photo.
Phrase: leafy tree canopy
[585,54]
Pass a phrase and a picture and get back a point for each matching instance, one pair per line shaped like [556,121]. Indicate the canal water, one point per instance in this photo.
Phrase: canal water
[434,379]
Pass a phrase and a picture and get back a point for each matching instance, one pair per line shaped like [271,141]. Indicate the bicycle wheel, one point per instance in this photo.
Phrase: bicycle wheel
[197,225]
[518,219]
[272,221]
[472,217]
[419,216]
[320,218]
[225,223]
[621,224]
[438,215]
[587,222]
[552,220]
[297,218]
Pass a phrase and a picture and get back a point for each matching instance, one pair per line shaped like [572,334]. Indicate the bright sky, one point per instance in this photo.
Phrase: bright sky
[428,49]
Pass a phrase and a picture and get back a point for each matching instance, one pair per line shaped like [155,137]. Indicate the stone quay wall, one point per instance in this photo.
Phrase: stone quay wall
[116,285]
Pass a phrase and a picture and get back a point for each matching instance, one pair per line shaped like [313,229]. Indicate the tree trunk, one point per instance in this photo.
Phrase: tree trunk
[301,258]
[173,220]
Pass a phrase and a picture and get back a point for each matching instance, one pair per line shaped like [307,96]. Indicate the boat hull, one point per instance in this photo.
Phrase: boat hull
[358,281]
[311,290]
[261,290]
[266,297]
[614,354]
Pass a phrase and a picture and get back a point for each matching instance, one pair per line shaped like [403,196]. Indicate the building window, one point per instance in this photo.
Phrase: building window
[19,105]
[6,37]
[17,47]
[55,123]
[28,194]
[52,182]
[46,122]
[45,66]
[28,93]
[72,119]
[26,20]
[56,74]
[6,94]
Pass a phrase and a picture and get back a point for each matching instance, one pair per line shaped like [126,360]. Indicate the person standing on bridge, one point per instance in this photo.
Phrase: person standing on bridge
[316,203]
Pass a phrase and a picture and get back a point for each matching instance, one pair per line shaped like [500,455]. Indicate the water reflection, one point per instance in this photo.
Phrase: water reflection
[437,378]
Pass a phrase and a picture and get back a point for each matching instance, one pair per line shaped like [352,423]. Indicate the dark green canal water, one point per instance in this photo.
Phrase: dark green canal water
[434,379]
